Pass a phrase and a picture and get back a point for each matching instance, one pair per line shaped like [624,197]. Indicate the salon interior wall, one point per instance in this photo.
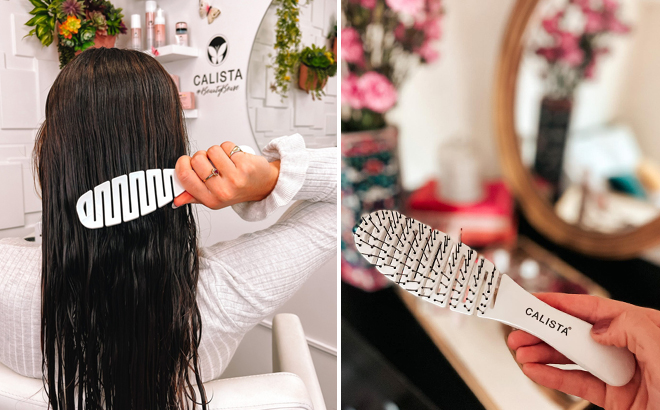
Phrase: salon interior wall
[27,71]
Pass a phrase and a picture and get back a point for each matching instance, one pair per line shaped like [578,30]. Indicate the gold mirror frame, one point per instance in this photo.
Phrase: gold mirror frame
[538,211]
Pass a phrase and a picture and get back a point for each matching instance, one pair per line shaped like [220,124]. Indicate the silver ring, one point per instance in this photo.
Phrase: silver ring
[214,173]
[235,150]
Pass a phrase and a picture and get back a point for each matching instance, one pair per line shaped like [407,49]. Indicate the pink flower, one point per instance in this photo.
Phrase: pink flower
[573,57]
[551,24]
[434,7]
[350,93]
[400,32]
[551,54]
[378,93]
[595,22]
[610,5]
[570,51]
[411,7]
[368,4]
[432,29]
[427,52]
[616,26]
[351,45]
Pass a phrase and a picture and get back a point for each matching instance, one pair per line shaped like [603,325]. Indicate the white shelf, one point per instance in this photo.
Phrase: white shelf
[167,54]
[190,114]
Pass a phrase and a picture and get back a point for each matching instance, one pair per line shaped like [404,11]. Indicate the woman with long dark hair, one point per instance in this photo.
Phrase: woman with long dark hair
[113,317]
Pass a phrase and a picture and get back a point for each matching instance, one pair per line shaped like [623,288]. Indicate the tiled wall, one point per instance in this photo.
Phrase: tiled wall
[272,116]
[27,71]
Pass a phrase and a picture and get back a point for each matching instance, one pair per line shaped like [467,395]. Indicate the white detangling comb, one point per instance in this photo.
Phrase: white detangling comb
[428,264]
[128,197]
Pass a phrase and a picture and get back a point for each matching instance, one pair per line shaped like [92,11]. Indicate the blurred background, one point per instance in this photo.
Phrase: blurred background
[527,125]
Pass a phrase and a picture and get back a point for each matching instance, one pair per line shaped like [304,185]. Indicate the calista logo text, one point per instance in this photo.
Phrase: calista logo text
[552,324]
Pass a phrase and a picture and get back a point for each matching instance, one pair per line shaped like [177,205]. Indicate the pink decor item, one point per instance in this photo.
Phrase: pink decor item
[572,55]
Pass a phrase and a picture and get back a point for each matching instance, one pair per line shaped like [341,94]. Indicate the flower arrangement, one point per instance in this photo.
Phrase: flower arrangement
[287,42]
[380,42]
[572,43]
[317,64]
[77,24]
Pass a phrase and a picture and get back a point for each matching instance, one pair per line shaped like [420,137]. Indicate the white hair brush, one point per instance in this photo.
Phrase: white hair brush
[428,264]
[128,197]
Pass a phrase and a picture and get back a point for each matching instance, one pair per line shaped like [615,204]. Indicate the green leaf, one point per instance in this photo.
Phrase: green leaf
[37,20]
[38,3]
[41,31]
[48,39]
[38,10]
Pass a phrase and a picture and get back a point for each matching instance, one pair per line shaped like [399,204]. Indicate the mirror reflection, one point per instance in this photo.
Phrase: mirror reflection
[587,94]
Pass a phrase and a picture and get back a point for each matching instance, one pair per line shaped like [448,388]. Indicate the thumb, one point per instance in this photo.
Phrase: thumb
[633,330]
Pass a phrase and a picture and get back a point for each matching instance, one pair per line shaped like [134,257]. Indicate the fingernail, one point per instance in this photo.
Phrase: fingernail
[601,327]
[174,206]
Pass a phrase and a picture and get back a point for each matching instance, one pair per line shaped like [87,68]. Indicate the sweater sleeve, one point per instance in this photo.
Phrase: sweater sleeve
[253,275]
[305,174]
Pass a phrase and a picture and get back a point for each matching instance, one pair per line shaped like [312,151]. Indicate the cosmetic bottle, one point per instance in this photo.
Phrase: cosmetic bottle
[181,34]
[160,28]
[187,100]
[136,32]
[149,22]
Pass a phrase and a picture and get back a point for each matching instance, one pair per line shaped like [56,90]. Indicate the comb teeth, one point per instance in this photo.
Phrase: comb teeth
[128,197]
[426,262]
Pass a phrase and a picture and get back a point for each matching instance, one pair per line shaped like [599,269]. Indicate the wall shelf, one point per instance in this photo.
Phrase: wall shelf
[172,52]
[190,114]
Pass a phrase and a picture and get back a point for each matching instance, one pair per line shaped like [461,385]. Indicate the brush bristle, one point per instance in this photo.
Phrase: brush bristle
[426,262]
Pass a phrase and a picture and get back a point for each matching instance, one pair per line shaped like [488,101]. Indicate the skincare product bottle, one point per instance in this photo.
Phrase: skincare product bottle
[187,100]
[181,34]
[136,32]
[149,21]
[160,28]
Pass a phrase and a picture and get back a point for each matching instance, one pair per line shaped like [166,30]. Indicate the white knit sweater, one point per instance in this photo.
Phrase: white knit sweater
[240,281]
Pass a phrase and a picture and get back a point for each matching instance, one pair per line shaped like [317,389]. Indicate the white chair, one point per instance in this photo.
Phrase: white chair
[293,385]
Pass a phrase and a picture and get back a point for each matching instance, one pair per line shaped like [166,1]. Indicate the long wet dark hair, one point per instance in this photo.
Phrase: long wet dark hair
[120,325]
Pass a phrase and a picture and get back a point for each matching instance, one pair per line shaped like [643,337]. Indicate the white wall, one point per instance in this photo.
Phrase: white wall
[453,96]
[26,73]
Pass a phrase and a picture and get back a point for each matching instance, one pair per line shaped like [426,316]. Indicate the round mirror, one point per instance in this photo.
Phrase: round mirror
[273,115]
[576,90]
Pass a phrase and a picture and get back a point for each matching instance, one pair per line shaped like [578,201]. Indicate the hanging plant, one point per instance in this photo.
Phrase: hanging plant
[316,66]
[78,25]
[332,36]
[287,42]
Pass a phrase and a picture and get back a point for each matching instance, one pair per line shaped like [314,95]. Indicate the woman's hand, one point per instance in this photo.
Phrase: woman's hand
[243,177]
[615,324]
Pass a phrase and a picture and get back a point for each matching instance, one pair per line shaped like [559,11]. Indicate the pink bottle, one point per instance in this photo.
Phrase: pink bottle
[160,28]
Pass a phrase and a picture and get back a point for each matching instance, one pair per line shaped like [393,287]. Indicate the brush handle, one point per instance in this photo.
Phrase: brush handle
[569,335]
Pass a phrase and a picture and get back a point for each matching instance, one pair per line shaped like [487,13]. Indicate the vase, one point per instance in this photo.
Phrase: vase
[551,140]
[102,41]
[304,74]
[370,181]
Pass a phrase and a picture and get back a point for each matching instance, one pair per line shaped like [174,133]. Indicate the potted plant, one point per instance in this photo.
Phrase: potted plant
[77,25]
[287,42]
[316,66]
[571,47]
[374,65]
